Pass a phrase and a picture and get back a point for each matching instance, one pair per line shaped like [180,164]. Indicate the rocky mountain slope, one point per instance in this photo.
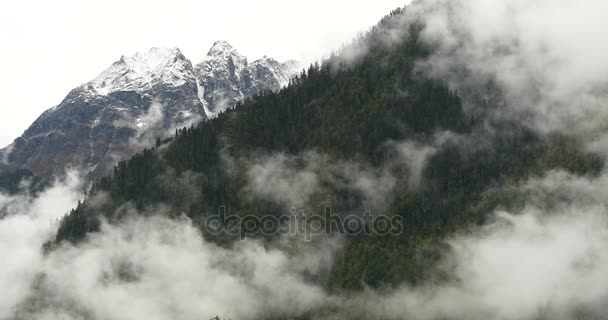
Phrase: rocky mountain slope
[225,77]
[135,101]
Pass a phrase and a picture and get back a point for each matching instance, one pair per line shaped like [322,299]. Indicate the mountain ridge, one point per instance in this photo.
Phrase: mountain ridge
[136,100]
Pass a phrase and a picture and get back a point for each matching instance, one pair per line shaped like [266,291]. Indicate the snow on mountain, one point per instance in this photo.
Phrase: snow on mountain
[136,100]
[225,76]
[142,70]
[223,59]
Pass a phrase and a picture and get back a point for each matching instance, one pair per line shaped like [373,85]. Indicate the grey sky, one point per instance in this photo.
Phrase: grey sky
[50,47]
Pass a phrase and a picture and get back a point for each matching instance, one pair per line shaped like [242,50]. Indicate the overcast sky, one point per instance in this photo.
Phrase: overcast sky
[50,47]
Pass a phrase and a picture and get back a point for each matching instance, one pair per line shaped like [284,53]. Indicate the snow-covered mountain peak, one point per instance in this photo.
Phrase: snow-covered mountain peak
[272,68]
[153,59]
[221,48]
[135,100]
[222,55]
[142,70]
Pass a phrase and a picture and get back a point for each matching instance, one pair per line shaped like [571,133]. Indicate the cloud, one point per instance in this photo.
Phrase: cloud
[276,178]
[149,267]
[546,260]
[524,266]
[541,261]
[545,55]
[158,268]
[299,180]
[415,155]
[28,223]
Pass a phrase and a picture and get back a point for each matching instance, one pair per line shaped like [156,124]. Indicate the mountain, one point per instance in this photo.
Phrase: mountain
[352,135]
[225,77]
[356,134]
[135,101]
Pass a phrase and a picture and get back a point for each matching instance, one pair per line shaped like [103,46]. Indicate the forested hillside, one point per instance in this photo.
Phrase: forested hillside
[13,182]
[359,107]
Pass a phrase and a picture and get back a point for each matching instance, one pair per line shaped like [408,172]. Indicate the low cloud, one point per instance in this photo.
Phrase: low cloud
[158,268]
[543,55]
[542,261]
[27,224]
[297,180]
[528,265]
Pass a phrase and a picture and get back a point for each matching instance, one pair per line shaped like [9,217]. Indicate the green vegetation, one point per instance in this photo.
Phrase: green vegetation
[13,182]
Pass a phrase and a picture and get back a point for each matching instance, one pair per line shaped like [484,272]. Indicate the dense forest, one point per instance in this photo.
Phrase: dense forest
[13,182]
[347,109]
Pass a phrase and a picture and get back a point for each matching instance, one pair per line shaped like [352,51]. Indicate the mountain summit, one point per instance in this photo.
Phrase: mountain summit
[136,100]
[142,70]
[225,76]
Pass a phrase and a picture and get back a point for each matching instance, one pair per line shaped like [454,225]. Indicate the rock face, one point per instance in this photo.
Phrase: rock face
[135,101]
[224,77]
